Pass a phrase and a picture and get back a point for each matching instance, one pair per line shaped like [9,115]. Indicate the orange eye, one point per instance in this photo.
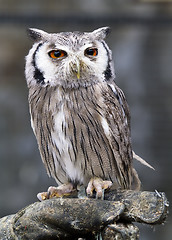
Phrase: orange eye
[91,52]
[57,54]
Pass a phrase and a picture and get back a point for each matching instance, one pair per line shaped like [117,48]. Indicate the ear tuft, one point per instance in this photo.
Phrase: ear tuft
[101,33]
[36,34]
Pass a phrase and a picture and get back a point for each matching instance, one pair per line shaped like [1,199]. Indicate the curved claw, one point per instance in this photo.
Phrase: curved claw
[99,186]
[57,192]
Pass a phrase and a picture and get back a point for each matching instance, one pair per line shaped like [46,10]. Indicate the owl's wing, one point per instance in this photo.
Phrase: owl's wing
[118,118]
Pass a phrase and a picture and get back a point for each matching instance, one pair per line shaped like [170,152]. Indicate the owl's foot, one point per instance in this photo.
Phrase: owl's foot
[98,185]
[63,190]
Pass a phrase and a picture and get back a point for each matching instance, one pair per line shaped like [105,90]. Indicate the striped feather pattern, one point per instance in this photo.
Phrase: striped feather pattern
[83,132]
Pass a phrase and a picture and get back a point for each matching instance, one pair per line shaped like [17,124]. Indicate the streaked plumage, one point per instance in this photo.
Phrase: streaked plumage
[79,116]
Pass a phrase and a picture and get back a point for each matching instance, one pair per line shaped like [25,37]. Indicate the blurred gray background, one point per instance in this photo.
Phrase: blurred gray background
[141,41]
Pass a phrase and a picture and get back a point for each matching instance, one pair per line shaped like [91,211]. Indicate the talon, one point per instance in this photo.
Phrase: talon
[63,190]
[99,186]
[43,196]
[90,188]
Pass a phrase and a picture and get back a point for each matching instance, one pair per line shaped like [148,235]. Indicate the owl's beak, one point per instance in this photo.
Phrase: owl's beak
[76,68]
[78,73]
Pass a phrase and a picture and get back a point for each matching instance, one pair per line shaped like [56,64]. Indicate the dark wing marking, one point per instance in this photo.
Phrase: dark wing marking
[118,118]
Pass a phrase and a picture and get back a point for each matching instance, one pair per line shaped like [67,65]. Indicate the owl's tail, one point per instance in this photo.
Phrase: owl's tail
[142,161]
[136,183]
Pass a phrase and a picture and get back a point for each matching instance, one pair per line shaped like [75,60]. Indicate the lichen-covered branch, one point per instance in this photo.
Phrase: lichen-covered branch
[73,218]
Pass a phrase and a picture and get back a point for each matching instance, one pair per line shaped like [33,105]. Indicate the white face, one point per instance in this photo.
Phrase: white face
[71,60]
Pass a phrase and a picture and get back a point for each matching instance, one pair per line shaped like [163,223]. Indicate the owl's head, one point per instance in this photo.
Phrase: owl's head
[69,59]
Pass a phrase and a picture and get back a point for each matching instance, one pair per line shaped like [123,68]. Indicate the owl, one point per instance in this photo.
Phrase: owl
[79,115]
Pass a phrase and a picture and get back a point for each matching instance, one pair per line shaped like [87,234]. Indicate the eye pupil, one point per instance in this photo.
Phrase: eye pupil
[57,54]
[91,51]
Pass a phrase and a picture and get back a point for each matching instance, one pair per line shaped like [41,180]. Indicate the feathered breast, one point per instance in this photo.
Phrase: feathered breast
[83,133]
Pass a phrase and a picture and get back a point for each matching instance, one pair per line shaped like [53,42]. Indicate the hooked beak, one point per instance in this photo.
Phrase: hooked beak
[75,66]
[78,72]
